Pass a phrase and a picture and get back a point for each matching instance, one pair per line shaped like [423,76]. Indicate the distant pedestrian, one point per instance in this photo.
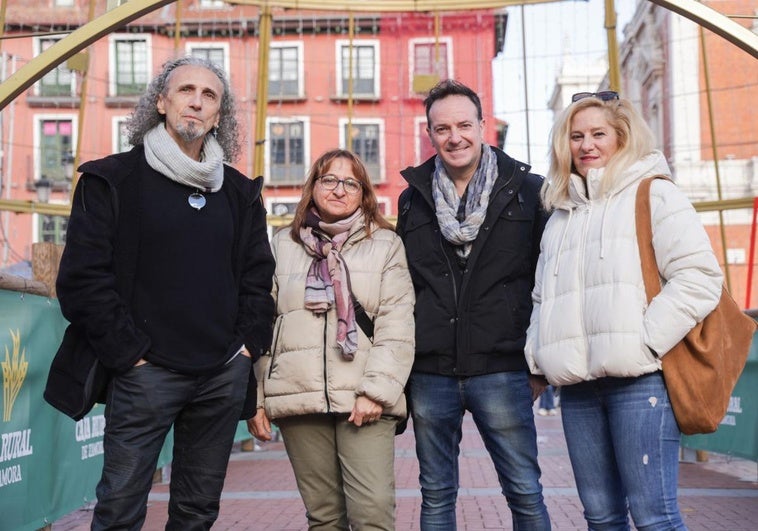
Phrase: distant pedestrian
[547,402]
[592,331]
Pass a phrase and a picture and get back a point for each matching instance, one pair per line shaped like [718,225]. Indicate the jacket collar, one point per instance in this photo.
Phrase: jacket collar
[510,171]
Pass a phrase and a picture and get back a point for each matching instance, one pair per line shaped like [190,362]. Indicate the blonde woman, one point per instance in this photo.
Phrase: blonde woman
[592,332]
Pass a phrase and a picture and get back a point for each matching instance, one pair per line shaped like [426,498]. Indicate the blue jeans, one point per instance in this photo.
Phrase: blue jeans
[501,406]
[623,442]
[547,398]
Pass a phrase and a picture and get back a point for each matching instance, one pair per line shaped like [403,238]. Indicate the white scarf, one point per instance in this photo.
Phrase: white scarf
[164,156]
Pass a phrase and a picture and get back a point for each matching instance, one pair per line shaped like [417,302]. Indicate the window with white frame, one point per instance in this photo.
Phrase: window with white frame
[52,228]
[58,82]
[385,205]
[365,139]
[54,141]
[212,4]
[130,65]
[363,55]
[287,150]
[120,135]
[424,147]
[430,62]
[280,207]
[285,70]
[216,53]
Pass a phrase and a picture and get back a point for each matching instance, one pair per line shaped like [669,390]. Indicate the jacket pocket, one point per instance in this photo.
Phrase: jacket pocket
[275,342]
[76,380]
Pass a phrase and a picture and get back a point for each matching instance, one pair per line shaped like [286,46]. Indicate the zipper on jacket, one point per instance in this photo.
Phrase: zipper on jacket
[447,259]
[326,385]
[493,195]
[450,270]
[274,342]
[583,250]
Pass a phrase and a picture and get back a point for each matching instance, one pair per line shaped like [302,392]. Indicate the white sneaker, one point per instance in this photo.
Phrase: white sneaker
[552,412]
[542,412]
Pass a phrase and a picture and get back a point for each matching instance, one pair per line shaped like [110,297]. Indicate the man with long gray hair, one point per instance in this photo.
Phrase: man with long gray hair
[167,270]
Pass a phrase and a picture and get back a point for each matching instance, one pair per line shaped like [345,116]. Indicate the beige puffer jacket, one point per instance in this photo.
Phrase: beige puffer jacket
[304,371]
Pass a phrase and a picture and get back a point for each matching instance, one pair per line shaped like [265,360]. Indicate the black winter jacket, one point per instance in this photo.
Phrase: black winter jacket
[478,327]
[98,266]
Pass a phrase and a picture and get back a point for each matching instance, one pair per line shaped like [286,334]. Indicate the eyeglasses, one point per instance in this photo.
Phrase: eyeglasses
[331,182]
[605,95]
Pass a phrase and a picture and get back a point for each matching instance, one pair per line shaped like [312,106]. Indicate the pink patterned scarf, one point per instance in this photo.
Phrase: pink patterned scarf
[328,280]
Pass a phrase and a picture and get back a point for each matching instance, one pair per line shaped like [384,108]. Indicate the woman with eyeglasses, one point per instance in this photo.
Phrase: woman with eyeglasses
[592,330]
[342,350]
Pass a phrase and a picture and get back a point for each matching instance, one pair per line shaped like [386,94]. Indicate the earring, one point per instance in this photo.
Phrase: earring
[214,131]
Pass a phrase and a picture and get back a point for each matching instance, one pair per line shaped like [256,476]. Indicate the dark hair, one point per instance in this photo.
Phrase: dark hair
[451,87]
[369,203]
[146,115]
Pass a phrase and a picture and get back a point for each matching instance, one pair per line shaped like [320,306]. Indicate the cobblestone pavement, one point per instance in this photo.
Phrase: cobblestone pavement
[260,493]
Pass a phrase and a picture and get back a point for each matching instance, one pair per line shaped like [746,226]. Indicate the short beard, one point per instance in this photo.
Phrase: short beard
[190,132]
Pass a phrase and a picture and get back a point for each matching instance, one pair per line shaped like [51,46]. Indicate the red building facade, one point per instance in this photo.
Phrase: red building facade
[333,81]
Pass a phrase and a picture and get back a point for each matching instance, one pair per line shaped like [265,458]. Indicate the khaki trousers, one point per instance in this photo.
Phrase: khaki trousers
[345,474]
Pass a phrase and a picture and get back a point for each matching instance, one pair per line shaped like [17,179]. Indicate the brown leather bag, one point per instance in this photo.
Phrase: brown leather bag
[702,369]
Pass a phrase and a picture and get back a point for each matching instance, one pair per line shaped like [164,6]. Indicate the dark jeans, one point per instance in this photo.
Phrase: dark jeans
[547,398]
[142,406]
[501,405]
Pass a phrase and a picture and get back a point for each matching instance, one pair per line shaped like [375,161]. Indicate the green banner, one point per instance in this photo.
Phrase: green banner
[49,464]
[47,461]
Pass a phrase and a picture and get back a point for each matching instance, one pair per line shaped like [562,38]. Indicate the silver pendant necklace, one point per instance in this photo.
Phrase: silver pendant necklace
[196,200]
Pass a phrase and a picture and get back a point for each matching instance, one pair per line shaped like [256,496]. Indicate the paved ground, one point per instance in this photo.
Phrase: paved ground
[260,492]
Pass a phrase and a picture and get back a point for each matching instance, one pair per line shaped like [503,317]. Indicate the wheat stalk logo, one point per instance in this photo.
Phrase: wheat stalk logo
[14,372]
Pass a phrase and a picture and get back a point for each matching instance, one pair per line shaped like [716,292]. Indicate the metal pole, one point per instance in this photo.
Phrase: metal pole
[526,87]
[350,82]
[82,108]
[614,70]
[261,102]
[3,7]
[178,27]
[751,254]
[714,148]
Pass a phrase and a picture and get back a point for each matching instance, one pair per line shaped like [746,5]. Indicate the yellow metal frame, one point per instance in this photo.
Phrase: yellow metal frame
[79,39]
[129,11]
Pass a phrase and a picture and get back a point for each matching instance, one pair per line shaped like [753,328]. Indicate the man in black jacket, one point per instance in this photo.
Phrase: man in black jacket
[167,272]
[471,222]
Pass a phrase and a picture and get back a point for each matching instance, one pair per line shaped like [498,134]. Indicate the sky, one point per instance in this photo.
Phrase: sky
[552,31]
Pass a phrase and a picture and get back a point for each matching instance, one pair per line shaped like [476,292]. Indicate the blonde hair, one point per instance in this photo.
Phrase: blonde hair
[369,204]
[635,140]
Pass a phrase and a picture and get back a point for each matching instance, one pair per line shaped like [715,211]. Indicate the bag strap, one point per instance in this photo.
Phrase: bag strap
[362,319]
[643,223]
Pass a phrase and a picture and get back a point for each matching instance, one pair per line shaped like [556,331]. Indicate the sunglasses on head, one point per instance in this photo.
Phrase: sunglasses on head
[605,95]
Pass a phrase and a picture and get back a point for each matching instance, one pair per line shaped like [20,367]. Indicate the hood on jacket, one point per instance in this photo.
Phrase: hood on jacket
[652,164]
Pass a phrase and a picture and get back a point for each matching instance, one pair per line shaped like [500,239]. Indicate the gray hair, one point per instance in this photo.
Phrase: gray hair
[146,115]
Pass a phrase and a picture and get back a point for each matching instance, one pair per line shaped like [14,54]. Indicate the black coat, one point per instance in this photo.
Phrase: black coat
[477,325]
[99,263]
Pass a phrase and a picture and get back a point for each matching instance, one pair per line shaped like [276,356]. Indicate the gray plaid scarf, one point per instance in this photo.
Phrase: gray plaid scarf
[446,201]
[166,157]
